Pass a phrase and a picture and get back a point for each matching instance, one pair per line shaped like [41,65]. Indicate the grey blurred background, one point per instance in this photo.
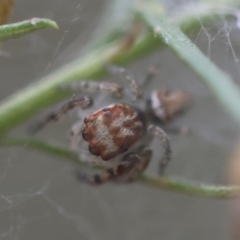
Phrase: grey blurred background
[39,196]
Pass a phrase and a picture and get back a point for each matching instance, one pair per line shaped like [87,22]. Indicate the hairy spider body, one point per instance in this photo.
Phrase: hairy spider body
[119,134]
[113,130]
[166,104]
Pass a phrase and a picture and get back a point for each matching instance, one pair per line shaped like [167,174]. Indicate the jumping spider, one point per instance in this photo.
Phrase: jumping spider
[119,134]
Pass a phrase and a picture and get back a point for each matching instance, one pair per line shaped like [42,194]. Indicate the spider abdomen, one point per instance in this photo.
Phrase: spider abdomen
[112,130]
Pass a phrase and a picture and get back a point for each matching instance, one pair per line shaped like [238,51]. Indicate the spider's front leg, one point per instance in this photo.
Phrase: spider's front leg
[144,159]
[75,135]
[91,87]
[128,170]
[76,102]
[167,152]
[178,130]
[134,86]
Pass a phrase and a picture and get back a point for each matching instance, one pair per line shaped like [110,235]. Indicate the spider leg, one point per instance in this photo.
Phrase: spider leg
[177,129]
[111,173]
[151,73]
[91,86]
[75,134]
[76,102]
[134,86]
[140,166]
[167,152]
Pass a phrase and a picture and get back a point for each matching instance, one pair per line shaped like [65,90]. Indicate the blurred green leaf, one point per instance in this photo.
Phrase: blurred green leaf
[168,183]
[15,30]
[222,86]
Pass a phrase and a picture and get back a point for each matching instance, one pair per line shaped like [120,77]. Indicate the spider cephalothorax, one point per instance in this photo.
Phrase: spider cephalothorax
[119,131]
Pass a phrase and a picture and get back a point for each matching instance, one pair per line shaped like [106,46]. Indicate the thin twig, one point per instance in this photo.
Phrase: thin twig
[46,147]
[15,30]
[166,183]
[223,87]
[190,188]
[21,105]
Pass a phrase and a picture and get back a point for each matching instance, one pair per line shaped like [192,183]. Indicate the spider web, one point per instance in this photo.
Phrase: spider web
[39,196]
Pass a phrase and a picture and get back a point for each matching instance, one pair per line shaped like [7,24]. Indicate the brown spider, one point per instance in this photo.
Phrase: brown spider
[119,134]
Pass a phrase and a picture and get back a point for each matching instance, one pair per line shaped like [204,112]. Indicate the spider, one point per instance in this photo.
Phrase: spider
[118,135]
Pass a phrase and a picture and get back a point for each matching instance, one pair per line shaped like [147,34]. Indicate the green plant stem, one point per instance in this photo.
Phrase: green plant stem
[49,148]
[166,183]
[30,100]
[15,30]
[23,104]
[189,188]
[222,86]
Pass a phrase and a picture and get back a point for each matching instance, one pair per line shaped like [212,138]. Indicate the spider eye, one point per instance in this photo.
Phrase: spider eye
[85,120]
[84,135]
[123,148]
[93,150]
[149,101]
[167,93]
[106,109]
